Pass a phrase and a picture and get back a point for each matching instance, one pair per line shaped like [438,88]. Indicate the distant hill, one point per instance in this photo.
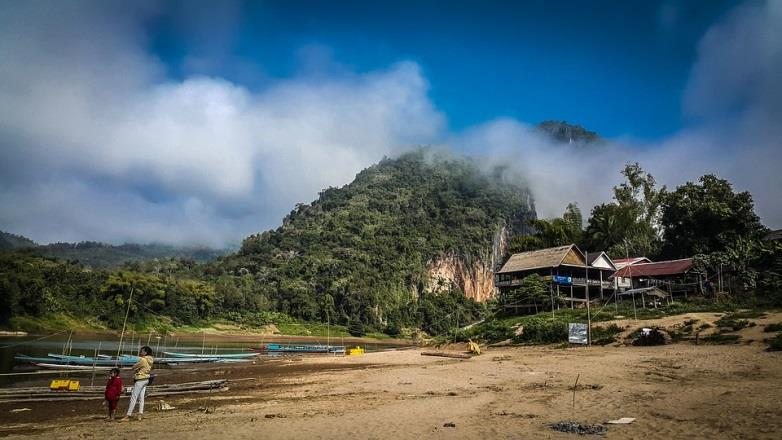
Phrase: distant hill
[10,242]
[365,251]
[561,131]
[102,255]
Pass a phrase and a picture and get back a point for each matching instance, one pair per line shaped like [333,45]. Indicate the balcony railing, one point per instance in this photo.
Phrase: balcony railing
[576,282]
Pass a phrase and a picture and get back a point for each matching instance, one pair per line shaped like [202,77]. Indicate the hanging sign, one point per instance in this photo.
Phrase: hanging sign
[577,333]
[561,279]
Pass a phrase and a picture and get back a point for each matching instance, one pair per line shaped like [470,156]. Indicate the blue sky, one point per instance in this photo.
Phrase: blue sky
[201,122]
[616,67]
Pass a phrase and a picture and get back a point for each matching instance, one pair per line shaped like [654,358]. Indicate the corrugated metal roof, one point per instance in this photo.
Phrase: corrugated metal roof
[654,291]
[660,268]
[550,257]
[622,262]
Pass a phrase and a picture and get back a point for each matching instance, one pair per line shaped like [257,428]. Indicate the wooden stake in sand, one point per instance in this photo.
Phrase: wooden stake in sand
[574,389]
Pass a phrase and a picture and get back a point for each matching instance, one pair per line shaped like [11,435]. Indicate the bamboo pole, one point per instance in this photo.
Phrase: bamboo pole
[122,335]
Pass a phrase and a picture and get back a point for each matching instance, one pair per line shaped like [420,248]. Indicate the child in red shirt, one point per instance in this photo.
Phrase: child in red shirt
[113,391]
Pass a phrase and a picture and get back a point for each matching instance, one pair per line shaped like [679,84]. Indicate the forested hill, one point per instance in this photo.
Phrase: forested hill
[362,255]
[360,252]
[10,242]
[562,131]
[96,254]
[103,255]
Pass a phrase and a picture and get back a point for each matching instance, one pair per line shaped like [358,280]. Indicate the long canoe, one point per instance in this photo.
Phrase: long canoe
[121,362]
[211,356]
[125,362]
[279,348]
[69,367]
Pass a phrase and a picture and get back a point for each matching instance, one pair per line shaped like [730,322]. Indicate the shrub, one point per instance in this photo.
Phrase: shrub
[776,327]
[775,343]
[733,321]
[543,330]
[493,331]
[654,337]
[605,335]
[356,328]
[392,329]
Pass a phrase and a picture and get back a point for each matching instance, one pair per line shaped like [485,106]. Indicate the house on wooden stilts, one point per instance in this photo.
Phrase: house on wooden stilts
[563,268]
[677,277]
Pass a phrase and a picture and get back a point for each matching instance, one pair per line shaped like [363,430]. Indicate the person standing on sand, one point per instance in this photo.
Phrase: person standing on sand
[113,392]
[141,379]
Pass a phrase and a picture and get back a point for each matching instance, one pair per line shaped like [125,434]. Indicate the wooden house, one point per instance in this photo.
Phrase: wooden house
[624,283]
[563,268]
[604,267]
[673,276]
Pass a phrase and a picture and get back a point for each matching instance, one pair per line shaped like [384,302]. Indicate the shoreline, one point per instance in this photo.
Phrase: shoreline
[212,335]
[673,391]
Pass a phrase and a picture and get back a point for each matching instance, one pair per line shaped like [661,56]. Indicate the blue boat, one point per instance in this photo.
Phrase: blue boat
[303,348]
[245,355]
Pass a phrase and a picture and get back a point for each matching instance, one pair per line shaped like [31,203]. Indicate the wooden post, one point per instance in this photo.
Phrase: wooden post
[589,317]
[571,294]
[601,285]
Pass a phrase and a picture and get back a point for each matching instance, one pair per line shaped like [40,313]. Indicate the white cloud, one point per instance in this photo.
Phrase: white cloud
[97,144]
[200,160]
[735,94]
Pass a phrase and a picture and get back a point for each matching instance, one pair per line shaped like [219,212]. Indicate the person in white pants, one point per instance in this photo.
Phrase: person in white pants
[141,377]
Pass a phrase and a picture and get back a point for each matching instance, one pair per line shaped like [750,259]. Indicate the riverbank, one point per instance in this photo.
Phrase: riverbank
[673,391]
[60,323]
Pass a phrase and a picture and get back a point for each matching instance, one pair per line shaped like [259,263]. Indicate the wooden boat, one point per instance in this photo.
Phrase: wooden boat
[87,361]
[69,367]
[302,348]
[122,361]
[211,356]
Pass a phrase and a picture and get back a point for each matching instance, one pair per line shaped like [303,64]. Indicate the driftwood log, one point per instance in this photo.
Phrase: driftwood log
[446,354]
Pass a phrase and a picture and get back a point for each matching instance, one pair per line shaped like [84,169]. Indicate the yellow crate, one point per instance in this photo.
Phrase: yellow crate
[59,384]
[65,385]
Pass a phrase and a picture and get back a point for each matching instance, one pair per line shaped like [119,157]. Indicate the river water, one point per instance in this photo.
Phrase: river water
[40,346]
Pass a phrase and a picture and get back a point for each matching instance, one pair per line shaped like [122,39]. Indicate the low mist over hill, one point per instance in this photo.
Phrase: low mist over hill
[103,255]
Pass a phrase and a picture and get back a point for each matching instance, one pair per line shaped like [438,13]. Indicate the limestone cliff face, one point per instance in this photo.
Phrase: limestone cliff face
[474,275]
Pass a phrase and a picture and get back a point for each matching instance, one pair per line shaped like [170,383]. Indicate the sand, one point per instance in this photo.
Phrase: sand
[674,391]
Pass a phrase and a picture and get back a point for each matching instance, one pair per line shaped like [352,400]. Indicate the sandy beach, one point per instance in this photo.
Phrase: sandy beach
[674,391]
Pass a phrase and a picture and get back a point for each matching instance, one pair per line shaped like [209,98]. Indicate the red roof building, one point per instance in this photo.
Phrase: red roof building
[657,269]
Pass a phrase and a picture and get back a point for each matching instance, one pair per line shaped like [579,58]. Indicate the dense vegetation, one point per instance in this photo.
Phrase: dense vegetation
[356,256]
[103,255]
[10,242]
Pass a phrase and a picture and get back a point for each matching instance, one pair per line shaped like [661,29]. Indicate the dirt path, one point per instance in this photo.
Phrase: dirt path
[674,391]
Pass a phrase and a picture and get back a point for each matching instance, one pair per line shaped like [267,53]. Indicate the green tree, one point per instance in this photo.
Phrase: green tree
[532,289]
[629,225]
[706,217]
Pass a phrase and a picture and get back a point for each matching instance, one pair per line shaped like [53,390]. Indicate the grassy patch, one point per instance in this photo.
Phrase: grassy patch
[304,329]
[605,335]
[733,321]
[776,327]
[53,323]
[749,314]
